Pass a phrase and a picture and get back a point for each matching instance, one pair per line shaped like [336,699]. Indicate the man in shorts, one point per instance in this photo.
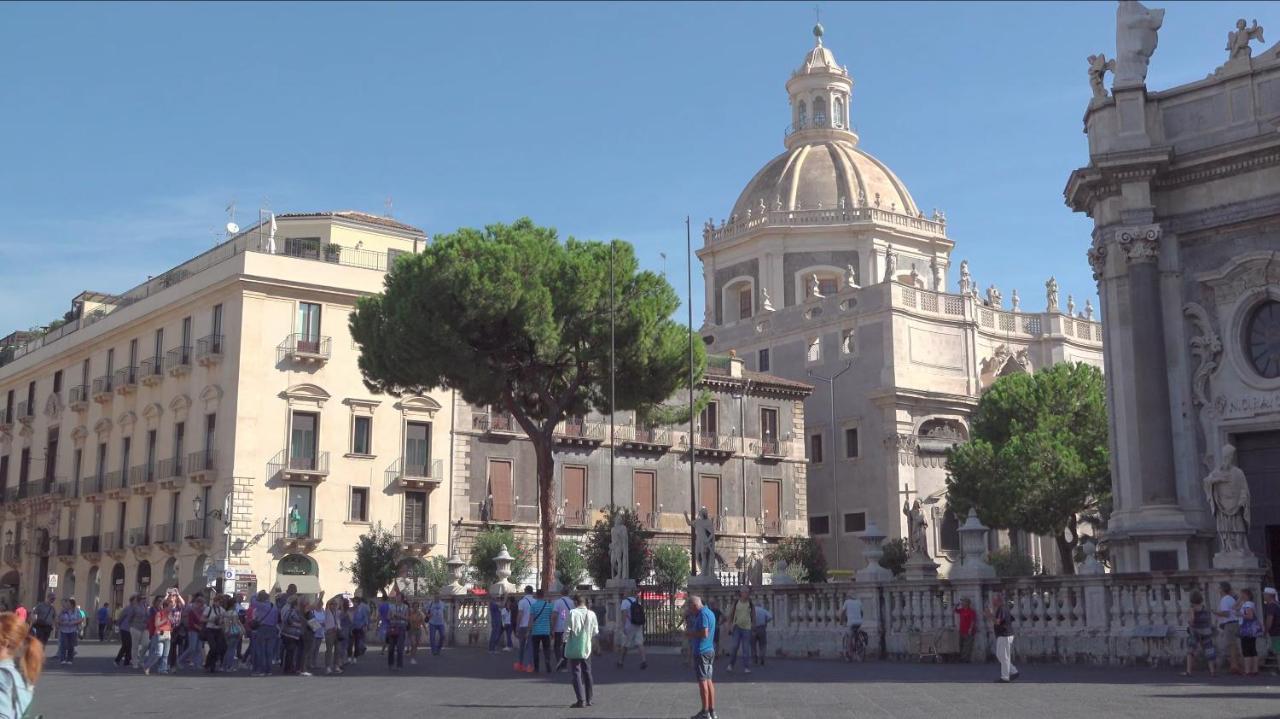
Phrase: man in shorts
[852,611]
[632,632]
[701,630]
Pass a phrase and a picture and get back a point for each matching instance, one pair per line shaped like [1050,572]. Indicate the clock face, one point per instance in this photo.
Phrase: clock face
[1262,339]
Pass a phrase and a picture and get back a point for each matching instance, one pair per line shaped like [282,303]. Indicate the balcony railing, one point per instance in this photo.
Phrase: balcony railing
[312,466]
[578,516]
[13,554]
[102,388]
[114,481]
[65,548]
[6,419]
[202,465]
[26,412]
[170,473]
[773,447]
[151,370]
[142,475]
[421,535]
[66,490]
[305,348]
[209,349]
[414,474]
[91,544]
[652,437]
[495,422]
[178,360]
[126,379]
[78,398]
[307,535]
[166,533]
[580,431]
[112,542]
[197,531]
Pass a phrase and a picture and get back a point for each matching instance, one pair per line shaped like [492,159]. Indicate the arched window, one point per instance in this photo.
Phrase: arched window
[739,299]
[837,112]
[802,117]
[819,112]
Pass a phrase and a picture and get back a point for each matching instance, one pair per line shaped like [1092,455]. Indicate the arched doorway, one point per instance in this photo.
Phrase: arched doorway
[143,581]
[9,586]
[300,571]
[94,597]
[170,576]
[69,584]
[117,585]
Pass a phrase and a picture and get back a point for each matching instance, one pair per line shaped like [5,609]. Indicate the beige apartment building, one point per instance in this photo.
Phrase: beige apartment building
[211,426]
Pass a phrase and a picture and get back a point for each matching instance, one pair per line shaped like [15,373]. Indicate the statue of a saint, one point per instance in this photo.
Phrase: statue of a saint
[850,277]
[915,277]
[619,550]
[1071,305]
[486,510]
[815,289]
[1088,309]
[297,525]
[1098,66]
[966,280]
[917,538]
[994,298]
[1051,295]
[1136,39]
[1239,39]
[1227,490]
[1016,302]
[890,260]
[704,546]
[935,269]
[765,303]
[761,208]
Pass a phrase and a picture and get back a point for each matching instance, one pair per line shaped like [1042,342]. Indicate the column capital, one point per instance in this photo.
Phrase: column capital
[1140,243]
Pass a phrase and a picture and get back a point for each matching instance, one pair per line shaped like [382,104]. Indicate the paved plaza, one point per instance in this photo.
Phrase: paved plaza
[470,683]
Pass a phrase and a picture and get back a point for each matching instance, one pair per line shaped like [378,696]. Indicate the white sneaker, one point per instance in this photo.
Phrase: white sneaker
[746,670]
[304,674]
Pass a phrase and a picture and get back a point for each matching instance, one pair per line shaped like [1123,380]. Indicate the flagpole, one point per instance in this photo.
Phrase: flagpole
[693,493]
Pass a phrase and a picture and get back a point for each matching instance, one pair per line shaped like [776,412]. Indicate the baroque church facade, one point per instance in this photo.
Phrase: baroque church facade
[827,271]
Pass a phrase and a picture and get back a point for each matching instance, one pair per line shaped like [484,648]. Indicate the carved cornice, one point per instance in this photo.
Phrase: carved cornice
[1221,168]
[1140,243]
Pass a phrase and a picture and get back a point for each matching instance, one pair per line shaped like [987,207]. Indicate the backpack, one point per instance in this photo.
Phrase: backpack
[20,695]
[44,615]
[637,612]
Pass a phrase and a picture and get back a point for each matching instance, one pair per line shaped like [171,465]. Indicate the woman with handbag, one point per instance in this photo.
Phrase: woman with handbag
[1250,630]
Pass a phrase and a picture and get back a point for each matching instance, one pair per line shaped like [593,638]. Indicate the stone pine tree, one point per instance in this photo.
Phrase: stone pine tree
[1037,459]
[515,319]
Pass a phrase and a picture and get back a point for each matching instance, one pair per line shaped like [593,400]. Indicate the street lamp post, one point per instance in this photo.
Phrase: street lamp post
[835,485]
[740,394]
[223,515]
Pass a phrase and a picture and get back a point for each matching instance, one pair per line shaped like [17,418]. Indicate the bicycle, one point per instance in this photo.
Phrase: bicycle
[855,645]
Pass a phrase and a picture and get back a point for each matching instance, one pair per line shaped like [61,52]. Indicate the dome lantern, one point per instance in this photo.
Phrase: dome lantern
[819,91]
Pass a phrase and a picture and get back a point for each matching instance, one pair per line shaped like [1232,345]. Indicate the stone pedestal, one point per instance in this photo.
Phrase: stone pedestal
[624,586]
[1235,560]
[920,566]
[456,588]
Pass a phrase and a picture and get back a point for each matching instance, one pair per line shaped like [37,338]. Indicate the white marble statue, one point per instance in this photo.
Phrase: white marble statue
[1071,306]
[890,259]
[619,549]
[1015,302]
[1227,490]
[994,298]
[917,535]
[966,280]
[761,208]
[1239,39]
[704,546]
[1088,309]
[765,302]
[850,277]
[915,277]
[815,289]
[1136,39]
[1099,65]
[1051,295]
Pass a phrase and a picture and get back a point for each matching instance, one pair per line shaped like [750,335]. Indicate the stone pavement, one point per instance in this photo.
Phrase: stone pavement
[470,683]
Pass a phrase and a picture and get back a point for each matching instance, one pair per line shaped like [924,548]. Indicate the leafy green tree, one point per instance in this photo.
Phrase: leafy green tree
[377,552]
[804,558]
[488,544]
[895,556]
[1008,562]
[515,319]
[671,568]
[596,548]
[1037,459]
[570,564]
[430,575]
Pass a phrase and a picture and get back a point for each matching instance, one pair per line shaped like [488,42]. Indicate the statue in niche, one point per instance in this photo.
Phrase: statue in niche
[1051,295]
[704,546]
[1238,40]
[1015,302]
[815,289]
[890,258]
[1227,490]
[915,277]
[1099,65]
[917,535]
[1136,40]
[619,549]
[1088,309]
[966,280]
[850,277]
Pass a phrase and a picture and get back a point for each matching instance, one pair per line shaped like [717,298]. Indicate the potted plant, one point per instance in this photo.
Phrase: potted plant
[332,252]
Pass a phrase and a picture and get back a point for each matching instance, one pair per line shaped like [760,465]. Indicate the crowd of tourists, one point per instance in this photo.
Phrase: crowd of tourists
[1238,634]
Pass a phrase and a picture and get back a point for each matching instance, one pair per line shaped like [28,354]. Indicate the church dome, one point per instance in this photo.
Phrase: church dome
[824,174]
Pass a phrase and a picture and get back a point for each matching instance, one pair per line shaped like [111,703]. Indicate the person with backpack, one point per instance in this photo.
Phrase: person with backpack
[560,622]
[743,615]
[43,617]
[233,630]
[21,661]
[631,615]
[1250,630]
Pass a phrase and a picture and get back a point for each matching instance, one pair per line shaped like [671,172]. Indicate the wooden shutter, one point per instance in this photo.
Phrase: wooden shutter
[709,493]
[771,499]
[575,494]
[642,491]
[501,488]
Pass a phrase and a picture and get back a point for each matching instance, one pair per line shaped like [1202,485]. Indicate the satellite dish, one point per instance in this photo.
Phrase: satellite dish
[232,228]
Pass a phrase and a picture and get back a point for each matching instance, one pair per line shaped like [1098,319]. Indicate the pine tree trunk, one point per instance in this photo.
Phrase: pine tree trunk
[546,508]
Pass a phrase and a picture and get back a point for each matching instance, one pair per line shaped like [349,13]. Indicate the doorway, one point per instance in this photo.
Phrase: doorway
[1258,455]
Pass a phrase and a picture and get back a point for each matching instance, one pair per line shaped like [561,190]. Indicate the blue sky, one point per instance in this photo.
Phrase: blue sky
[126,129]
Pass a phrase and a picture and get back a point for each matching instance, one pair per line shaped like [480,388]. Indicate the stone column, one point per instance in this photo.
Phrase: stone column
[1148,373]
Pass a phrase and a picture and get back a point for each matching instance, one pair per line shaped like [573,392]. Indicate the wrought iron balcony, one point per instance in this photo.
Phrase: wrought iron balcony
[177,361]
[713,445]
[78,398]
[142,478]
[496,423]
[308,467]
[299,538]
[102,389]
[414,475]
[418,538]
[91,546]
[656,439]
[579,432]
[304,348]
[6,419]
[209,350]
[116,483]
[126,380]
[198,534]
[167,536]
[151,371]
[202,466]
[171,474]
[94,486]
[773,448]
[112,543]
[65,549]
[26,412]
[139,537]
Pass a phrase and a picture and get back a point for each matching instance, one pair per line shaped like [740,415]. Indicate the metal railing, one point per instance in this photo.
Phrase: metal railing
[431,470]
[6,416]
[13,553]
[142,474]
[115,479]
[305,346]
[171,468]
[422,534]
[166,533]
[209,347]
[102,385]
[202,461]
[125,378]
[26,411]
[177,358]
[151,367]
[197,529]
[313,531]
[317,462]
[91,544]
[657,436]
[138,537]
[78,394]
[495,422]
[580,429]
[64,547]
[112,542]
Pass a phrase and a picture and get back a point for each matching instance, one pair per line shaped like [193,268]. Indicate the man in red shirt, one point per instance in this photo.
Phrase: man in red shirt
[967,623]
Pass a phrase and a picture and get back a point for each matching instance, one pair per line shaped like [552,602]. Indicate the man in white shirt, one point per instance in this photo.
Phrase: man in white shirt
[760,633]
[852,612]
[522,629]
[1228,627]
[632,632]
[582,628]
[559,624]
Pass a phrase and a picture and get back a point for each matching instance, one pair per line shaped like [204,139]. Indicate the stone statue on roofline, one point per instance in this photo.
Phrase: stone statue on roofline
[1088,309]
[1071,306]
[1099,65]
[765,302]
[966,280]
[850,277]
[1051,295]
[1136,39]
[815,288]
[890,262]
[1015,302]
[1239,39]
[994,298]
[935,269]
